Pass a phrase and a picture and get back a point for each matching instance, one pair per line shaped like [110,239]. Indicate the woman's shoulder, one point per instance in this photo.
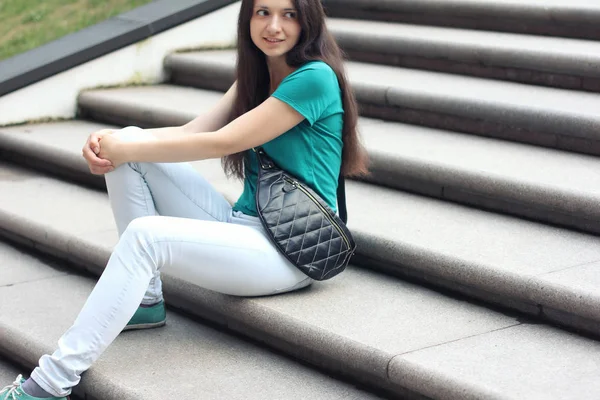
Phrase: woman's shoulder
[317,65]
[316,72]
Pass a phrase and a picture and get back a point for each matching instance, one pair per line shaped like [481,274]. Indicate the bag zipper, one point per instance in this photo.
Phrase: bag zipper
[306,192]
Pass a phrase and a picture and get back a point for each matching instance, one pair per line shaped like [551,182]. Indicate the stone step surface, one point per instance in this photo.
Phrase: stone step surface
[538,183]
[184,360]
[547,61]
[569,18]
[412,340]
[546,272]
[8,372]
[542,116]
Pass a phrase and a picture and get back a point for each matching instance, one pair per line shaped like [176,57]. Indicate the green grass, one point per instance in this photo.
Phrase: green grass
[27,24]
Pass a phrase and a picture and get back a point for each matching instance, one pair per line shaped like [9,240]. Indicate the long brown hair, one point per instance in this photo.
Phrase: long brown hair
[315,44]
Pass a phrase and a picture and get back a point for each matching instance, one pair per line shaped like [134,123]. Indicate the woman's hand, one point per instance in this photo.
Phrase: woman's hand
[90,151]
[113,149]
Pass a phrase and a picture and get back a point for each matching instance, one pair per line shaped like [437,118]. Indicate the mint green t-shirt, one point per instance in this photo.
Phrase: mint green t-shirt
[312,150]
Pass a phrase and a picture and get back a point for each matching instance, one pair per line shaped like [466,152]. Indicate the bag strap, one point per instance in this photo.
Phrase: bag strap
[341,199]
[265,162]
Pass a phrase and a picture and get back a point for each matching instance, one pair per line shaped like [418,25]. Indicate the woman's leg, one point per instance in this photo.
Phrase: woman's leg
[226,257]
[138,190]
[145,189]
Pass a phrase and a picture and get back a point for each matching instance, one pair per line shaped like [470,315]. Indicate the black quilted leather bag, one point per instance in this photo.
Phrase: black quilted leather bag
[300,224]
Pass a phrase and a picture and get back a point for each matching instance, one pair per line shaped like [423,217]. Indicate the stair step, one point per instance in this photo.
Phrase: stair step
[8,373]
[212,364]
[547,61]
[536,183]
[549,117]
[409,339]
[546,272]
[569,18]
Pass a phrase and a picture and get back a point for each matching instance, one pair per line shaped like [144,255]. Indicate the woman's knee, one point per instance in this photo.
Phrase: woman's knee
[141,235]
[144,228]
[137,249]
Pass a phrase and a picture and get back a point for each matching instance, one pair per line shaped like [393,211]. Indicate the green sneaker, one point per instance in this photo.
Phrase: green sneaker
[147,317]
[15,392]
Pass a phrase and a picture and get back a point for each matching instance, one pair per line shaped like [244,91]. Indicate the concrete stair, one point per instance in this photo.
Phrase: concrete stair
[532,182]
[543,271]
[573,18]
[476,275]
[408,341]
[8,372]
[547,61]
[546,272]
[185,360]
[557,118]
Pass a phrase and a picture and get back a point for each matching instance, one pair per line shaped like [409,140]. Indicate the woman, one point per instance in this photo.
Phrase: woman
[291,97]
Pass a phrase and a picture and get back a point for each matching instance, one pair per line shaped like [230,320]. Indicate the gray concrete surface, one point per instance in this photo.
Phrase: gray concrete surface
[361,320]
[553,365]
[554,18]
[18,267]
[572,10]
[492,49]
[363,341]
[543,116]
[536,183]
[8,372]
[495,253]
[168,112]
[529,107]
[500,257]
[182,360]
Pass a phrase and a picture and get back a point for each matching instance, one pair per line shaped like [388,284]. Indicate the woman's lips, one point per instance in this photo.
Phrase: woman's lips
[273,40]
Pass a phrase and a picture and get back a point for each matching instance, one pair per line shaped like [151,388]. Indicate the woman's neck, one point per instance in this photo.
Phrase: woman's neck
[278,70]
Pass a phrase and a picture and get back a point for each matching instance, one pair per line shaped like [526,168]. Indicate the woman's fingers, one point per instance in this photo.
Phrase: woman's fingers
[92,159]
[94,143]
[91,149]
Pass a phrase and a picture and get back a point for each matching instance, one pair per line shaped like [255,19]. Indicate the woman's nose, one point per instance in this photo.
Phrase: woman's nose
[274,24]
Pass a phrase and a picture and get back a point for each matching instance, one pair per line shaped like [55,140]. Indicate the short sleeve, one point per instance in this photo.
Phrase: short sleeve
[310,90]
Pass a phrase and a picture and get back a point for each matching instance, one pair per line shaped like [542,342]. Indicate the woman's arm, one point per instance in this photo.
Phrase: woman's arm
[256,127]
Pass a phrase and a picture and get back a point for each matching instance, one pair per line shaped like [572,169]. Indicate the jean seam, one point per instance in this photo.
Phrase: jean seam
[147,194]
[144,182]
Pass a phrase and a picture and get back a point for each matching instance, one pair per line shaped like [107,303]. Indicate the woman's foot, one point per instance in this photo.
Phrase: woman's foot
[16,392]
[147,317]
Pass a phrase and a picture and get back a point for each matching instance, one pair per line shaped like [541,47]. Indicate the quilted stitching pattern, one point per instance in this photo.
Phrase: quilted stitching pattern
[301,231]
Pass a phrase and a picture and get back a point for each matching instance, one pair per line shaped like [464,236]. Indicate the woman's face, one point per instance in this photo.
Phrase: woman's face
[274,26]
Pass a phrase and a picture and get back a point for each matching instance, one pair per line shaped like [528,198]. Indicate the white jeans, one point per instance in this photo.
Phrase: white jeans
[197,237]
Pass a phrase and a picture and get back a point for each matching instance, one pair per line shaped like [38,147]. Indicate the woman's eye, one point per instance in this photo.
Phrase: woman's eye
[262,13]
[290,15]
